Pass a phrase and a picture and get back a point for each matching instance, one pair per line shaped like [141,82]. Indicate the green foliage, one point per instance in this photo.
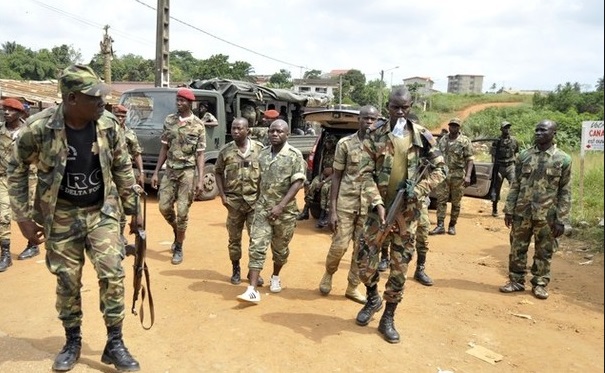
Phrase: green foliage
[588,206]
[312,74]
[282,79]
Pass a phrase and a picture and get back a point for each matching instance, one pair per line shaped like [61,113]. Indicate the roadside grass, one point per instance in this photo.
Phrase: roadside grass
[587,210]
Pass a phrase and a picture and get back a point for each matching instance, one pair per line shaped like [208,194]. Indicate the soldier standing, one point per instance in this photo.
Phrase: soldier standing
[458,153]
[237,177]
[399,149]
[261,133]
[183,144]
[353,171]
[282,175]
[83,171]
[538,205]
[504,151]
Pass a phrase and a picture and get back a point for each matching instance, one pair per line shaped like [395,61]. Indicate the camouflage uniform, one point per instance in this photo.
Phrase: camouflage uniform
[134,149]
[540,195]
[456,153]
[277,175]
[352,207]
[261,134]
[324,194]
[184,140]
[422,231]
[504,151]
[71,231]
[383,149]
[240,175]
[7,141]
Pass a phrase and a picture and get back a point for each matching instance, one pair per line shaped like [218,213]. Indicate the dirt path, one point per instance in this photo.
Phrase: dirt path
[201,327]
[463,114]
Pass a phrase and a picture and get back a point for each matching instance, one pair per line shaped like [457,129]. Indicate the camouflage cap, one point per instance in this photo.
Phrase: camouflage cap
[505,124]
[456,121]
[80,78]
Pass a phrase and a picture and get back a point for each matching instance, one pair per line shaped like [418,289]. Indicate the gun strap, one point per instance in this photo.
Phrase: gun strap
[149,300]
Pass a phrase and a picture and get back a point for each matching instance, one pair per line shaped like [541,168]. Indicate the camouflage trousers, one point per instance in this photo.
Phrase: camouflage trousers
[239,213]
[450,189]
[324,195]
[5,211]
[75,232]
[265,233]
[350,226]
[544,246]
[401,251]
[177,187]
[422,231]
[505,172]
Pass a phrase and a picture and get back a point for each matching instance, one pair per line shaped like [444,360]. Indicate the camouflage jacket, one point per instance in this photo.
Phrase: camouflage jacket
[456,154]
[132,142]
[261,134]
[43,142]
[7,142]
[379,145]
[357,175]
[277,174]
[184,140]
[240,174]
[504,150]
[541,189]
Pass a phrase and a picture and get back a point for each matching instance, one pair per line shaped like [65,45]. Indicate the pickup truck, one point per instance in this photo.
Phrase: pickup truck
[226,100]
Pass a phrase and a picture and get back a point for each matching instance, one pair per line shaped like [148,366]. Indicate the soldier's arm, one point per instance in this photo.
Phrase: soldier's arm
[513,193]
[25,152]
[564,194]
[122,174]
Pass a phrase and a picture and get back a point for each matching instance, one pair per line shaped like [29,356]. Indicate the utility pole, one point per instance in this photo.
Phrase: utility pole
[107,52]
[162,51]
[380,91]
[340,93]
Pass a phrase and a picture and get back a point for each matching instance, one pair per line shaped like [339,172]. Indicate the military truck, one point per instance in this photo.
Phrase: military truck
[226,99]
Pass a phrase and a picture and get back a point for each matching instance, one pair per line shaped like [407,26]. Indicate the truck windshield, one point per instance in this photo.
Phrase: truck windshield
[148,109]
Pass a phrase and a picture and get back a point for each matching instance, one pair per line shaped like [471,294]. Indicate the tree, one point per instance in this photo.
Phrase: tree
[312,74]
[282,79]
[599,85]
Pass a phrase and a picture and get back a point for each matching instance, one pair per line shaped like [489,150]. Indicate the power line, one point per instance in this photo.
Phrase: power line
[224,40]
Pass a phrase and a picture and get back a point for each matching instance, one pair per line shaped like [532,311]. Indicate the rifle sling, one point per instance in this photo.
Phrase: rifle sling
[149,300]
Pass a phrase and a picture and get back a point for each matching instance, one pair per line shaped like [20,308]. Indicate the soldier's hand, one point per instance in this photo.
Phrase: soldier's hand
[467,181]
[333,221]
[141,179]
[136,222]
[154,181]
[32,231]
[557,229]
[382,215]
[508,220]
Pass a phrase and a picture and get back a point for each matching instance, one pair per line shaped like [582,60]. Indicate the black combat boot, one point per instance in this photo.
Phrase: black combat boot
[451,229]
[177,253]
[373,305]
[5,255]
[236,277]
[322,222]
[386,327]
[30,251]
[116,353]
[304,215]
[69,355]
[439,229]
[419,274]
[495,209]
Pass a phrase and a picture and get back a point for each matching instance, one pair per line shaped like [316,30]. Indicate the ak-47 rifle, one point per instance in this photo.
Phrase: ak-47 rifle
[394,212]
[140,266]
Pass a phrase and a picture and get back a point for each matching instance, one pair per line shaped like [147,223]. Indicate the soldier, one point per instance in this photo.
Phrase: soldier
[13,114]
[261,133]
[183,144]
[353,170]
[83,170]
[237,177]
[132,142]
[504,151]
[207,118]
[399,149]
[282,170]
[458,153]
[538,204]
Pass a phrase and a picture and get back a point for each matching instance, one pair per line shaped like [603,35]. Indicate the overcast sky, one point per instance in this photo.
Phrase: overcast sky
[521,44]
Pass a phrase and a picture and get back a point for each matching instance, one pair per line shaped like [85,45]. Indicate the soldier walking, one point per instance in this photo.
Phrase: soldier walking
[504,151]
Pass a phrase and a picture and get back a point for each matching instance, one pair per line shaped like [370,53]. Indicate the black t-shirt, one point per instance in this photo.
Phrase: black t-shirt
[82,182]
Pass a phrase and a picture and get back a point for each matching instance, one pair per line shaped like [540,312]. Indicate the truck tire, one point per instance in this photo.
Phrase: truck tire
[210,189]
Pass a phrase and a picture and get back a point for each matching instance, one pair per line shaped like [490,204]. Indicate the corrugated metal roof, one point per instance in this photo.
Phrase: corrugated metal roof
[44,93]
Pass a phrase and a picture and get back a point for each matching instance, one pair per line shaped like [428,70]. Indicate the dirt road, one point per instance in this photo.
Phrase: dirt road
[201,327]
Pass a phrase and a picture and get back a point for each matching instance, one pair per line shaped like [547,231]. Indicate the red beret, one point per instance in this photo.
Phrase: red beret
[13,103]
[121,109]
[185,93]
[271,114]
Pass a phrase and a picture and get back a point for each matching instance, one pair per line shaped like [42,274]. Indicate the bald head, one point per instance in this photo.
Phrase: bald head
[400,94]
[281,124]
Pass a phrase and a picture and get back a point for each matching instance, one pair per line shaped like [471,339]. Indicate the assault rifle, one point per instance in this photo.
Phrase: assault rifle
[140,266]
[394,213]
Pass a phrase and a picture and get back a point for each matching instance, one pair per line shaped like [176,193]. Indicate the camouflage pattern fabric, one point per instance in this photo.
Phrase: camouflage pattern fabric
[456,154]
[184,139]
[7,142]
[177,187]
[381,149]
[261,134]
[506,173]
[422,230]
[5,211]
[240,175]
[504,151]
[74,233]
[313,188]
[352,206]
[132,142]
[80,78]
[71,231]
[277,175]
[209,118]
[324,194]
[539,197]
